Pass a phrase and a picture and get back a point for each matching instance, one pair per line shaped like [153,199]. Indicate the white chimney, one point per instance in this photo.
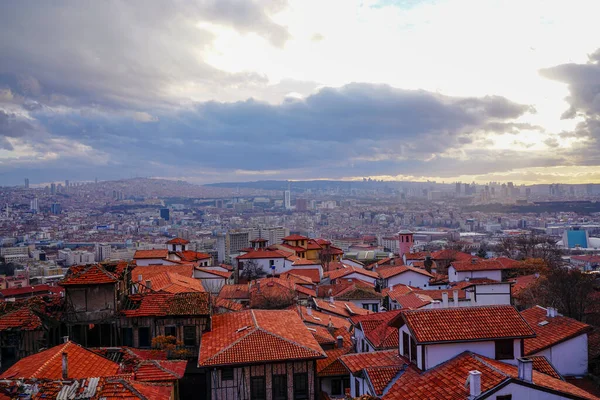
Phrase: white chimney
[445,299]
[309,310]
[391,287]
[330,299]
[140,277]
[435,304]
[65,366]
[474,383]
[149,284]
[455,297]
[472,298]
[525,369]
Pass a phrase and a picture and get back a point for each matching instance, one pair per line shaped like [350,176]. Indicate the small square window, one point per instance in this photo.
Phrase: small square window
[227,374]
[189,335]
[171,331]
[505,349]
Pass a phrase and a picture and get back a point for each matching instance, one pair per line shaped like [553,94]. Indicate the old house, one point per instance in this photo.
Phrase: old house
[93,294]
[260,355]
[182,315]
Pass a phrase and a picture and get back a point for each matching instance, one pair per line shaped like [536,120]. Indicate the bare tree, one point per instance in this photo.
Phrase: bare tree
[251,271]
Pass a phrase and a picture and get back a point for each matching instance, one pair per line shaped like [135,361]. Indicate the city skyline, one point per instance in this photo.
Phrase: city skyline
[209,92]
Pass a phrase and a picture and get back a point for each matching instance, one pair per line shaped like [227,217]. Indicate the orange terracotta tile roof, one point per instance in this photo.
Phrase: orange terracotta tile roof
[257,336]
[160,304]
[294,237]
[380,377]
[311,273]
[260,253]
[23,319]
[47,364]
[297,279]
[227,304]
[359,361]
[419,255]
[332,366]
[313,245]
[358,291]
[318,318]
[278,286]
[541,364]
[349,269]
[216,272]
[522,283]
[178,240]
[377,330]
[170,282]
[147,272]
[400,269]
[437,293]
[190,255]
[321,334]
[162,254]
[343,309]
[29,290]
[88,275]
[454,255]
[550,331]
[237,292]
[413,301]
[155,370]
[464,324]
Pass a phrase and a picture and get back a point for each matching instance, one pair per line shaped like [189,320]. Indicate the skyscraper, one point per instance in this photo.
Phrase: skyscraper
[164,213]
[26,183]
[287,199]
[53,188]
[34,206]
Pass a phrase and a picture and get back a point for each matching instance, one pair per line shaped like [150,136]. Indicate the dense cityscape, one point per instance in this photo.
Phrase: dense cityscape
[299,200]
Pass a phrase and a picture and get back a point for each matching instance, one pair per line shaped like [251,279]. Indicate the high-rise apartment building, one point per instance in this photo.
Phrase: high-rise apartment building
[287,199]
[103,251]
[274,234]
[34,205]
[26,183]
[231,243]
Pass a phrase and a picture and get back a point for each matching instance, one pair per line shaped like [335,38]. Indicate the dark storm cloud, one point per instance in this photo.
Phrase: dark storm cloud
[121,53]
[372,128]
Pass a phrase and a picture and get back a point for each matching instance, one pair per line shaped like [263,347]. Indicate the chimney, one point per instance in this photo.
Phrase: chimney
[65,366]
[140,278]
[435,304]
[474,383]
[549,312]
[258,286]
[455,297]
[340,342]
[149,284]
[473,261]
[445,299]
[525,369]
[391,287]
[330,299]
[65,339]
[472,298]
[309,310]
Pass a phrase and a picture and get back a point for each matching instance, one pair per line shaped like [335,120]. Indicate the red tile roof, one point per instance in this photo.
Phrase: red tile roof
[178,240]
[147,272]
[295,237]
[380,377]
[377,331]
[359,361]
[190,255]
[541,364]
[227,304]
[552,332]
[29,290]
[88,275]
[216,272]
[447,381]
[160,304]
[342,308]
[160,371]
[485,265]
[257,336]
[464,324]
[82,363]
[311,273]
[162,254]
[237,292]
[170,282]
[413,301]
[400,269]
[350,269]
[23,319]
[332,366]
[522,283]
[318,318]
[321,334]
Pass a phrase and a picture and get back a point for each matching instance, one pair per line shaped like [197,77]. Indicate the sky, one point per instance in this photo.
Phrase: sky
[230,90]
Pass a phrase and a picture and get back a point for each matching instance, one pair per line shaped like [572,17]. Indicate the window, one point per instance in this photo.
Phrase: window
[356,387]
[271,263]
[505,349]
[405,344]
[365,346]
[189,335]
[375,307]
[413,350]
[258,391]
[301,386]
[365,306]
[504,397]
[336,387]
[227,374]
[144,336]
[127,335]
[170,331]
[279,387]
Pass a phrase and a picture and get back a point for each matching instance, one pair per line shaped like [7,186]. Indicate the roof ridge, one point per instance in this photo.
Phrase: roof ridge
[248,332]
[45,364]
[159,366]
